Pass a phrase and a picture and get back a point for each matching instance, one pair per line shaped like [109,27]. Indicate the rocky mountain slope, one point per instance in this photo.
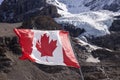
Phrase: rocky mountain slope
[12,68]
[19,10]
[94,36]
[112,5]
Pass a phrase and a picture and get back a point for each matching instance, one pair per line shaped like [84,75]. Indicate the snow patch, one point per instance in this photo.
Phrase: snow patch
[83,42]
[1,1]
[92,59]
[66,6]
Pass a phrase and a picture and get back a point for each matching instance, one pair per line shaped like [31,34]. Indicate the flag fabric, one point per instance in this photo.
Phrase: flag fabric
[46,47]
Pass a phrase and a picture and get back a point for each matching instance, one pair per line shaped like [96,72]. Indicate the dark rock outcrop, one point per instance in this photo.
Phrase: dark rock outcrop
[19,10]
[41,23]
[112,5]
[108,41]
[105,55]
[116,24]
[73,30]
[5,62]
[106,69]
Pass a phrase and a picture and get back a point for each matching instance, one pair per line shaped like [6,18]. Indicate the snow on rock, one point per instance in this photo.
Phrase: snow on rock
[82,41]
[66,8]
[62,8]
[74,6]
[95,23]
[112,5]
[78,6]
[79,13]
[1,1]
[92,59]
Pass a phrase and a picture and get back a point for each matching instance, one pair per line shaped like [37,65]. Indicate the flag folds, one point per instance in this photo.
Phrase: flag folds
[46,47]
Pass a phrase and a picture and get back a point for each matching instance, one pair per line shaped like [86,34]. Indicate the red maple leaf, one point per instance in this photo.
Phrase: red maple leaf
[45,47]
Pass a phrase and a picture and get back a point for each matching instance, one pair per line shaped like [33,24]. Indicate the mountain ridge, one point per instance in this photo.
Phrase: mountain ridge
[98,55]
[13,9]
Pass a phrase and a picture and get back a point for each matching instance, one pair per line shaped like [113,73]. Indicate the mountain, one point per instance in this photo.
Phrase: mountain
[94,28]
[112,5]
[80,12]
[78,6]
[18,10]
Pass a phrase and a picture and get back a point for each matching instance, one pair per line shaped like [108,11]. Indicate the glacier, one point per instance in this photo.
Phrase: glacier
[95,22]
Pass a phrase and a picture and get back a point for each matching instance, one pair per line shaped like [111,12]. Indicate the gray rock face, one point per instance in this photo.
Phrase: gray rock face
[112,5]
[108,68]
[19,10]
[116,24]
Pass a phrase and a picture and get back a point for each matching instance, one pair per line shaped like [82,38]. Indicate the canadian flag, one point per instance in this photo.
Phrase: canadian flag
[46,47]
